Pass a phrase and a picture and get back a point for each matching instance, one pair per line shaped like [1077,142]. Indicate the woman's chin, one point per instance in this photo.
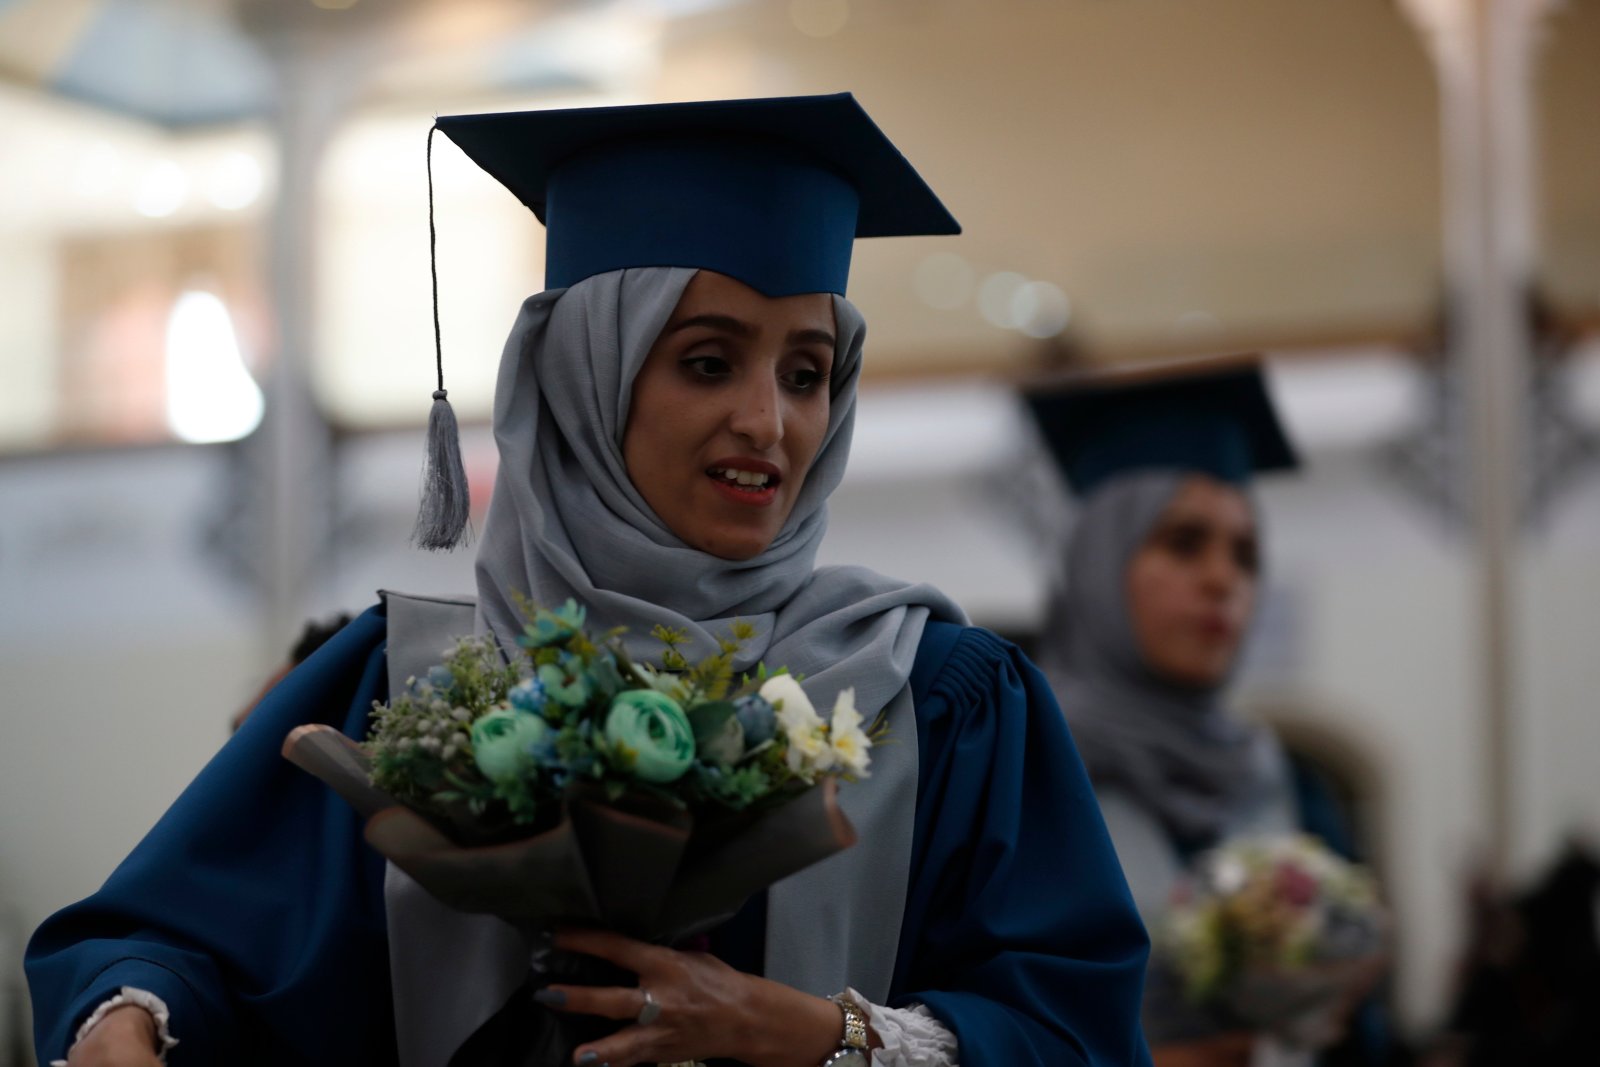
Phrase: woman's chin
[734,545]
[1194,672]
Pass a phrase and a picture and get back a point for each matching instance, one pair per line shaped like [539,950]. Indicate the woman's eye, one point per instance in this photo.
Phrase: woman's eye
[706,367]
[1185,542]
[804,380]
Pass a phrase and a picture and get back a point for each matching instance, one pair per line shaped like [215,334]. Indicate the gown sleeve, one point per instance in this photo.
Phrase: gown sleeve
[1020,934]
[253,908]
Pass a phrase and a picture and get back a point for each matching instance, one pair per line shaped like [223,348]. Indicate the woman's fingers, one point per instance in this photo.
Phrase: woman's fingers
[636,956]
[628,1046]
[610,1002]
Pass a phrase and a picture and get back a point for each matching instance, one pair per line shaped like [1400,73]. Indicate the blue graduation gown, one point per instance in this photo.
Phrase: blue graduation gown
[255,909]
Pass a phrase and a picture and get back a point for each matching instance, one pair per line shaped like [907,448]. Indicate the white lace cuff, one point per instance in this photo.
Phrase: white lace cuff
[912,1037]
[129,995]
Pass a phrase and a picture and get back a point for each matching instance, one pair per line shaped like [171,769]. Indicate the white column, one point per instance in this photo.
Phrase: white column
[321,60]
[1483,52]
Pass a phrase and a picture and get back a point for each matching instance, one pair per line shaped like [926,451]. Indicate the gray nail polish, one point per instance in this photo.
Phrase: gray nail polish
[551,998]
[587,1058]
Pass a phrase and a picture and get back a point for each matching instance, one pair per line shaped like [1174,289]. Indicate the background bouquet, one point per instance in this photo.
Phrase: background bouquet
[1278,934]
[568,783]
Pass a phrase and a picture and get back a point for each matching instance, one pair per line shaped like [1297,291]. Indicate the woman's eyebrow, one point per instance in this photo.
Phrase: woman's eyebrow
[724,323]
[811,336]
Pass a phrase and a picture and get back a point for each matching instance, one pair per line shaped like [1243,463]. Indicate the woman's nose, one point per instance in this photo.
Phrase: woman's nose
[758,415]
[1220,572]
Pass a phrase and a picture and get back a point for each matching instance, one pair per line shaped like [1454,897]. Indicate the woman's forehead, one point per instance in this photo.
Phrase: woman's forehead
[1202,498]
[710,293]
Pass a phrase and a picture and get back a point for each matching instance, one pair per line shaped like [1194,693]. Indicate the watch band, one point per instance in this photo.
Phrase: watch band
[852,1050]
[855,1025]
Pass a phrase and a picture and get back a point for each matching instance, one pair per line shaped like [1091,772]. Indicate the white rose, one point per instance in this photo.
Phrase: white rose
[795,713]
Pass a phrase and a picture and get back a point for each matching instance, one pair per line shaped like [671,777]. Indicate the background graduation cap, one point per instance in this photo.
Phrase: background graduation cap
[772,192]
[1210,417]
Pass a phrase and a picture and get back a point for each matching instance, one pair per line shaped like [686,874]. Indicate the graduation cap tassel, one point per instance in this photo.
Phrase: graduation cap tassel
[446,504]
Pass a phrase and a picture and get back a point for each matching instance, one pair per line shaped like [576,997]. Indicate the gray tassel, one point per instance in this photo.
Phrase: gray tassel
[446,502]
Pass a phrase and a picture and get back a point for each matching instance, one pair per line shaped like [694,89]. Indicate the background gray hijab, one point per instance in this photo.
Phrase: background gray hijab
[566,521]
[1174,750]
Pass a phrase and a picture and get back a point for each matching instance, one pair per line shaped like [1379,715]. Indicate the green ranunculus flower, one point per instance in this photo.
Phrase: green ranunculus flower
[653,728]
[501,742]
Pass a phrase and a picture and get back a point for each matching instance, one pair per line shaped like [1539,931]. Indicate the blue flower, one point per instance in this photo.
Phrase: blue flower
[545,753]
[760,722]
[553,627]
[441,678]
[608,680]
[567,683]
[529,695]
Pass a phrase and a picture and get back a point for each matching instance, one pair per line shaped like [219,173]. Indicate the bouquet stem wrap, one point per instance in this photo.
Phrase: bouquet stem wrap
[646,871]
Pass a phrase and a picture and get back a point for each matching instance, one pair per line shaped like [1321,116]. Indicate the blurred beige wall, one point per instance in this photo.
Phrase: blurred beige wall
[1569,159]
[1190,175]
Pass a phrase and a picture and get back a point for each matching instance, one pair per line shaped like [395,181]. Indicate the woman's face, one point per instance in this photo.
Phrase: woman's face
[729,411]
[1192,584]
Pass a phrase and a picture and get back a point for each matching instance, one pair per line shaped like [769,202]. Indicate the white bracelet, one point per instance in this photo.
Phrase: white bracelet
[140,998]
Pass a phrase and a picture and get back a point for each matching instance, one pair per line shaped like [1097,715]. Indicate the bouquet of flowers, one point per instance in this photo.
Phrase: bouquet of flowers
[568,783]
[1277,933]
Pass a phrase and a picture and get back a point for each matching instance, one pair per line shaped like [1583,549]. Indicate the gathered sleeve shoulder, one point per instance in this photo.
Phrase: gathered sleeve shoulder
[1020,934]
[253,906]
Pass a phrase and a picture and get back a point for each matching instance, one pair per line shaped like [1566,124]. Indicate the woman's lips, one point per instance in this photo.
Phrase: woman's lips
[1214,628]
[751,482]
[749,496]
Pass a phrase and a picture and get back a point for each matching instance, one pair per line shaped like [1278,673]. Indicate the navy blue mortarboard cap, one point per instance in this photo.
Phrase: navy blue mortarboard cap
[1215,420]
[769,191]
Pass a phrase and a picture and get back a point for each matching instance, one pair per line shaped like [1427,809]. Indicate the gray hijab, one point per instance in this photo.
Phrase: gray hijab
[1174,750]
[566,521]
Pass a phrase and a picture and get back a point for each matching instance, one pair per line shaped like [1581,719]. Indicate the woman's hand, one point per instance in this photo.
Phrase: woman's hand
[126,1037]
[708,1009]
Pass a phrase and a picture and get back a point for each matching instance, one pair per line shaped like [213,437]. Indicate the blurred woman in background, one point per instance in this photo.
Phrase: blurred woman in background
[1144,634]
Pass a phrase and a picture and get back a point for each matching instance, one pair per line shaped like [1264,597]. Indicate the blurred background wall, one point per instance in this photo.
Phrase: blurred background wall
[216,348]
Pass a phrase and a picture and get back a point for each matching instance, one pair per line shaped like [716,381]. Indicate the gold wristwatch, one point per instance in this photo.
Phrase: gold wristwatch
[852,1050]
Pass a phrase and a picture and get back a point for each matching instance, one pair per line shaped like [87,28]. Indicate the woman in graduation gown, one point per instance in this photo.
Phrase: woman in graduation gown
[671,414]
[1144,633]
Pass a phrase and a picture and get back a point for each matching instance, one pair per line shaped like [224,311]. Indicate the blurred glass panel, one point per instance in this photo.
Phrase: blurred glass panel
[119,311]
[104,224]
